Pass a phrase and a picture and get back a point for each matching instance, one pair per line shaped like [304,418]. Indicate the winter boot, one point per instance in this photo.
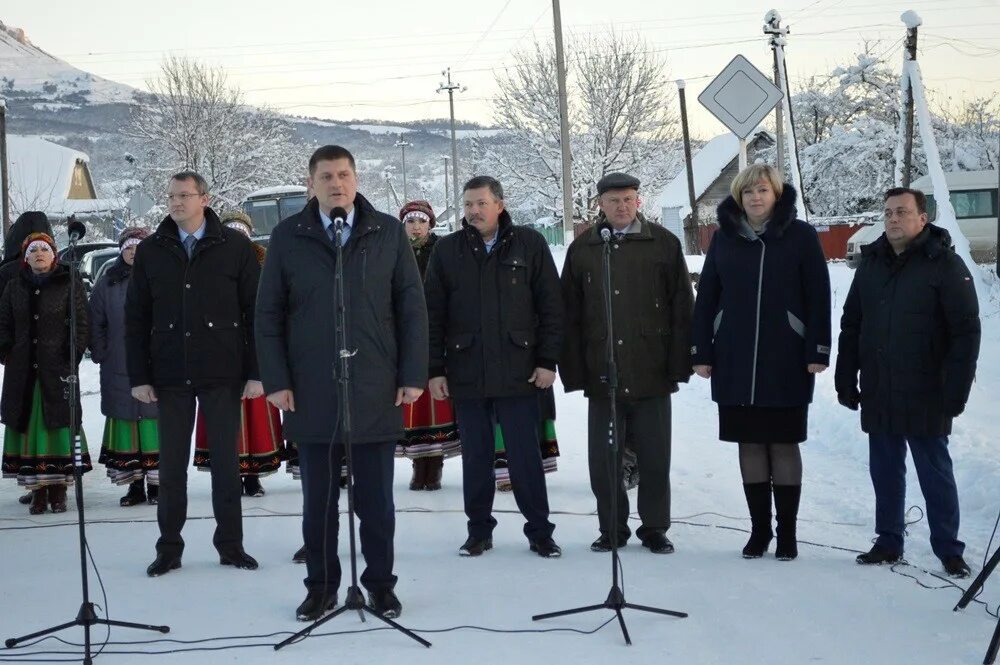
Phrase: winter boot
[759,502]
[786,507]
[39,501]
[57,498]
[419,474]
[136,494]
[252,486]
[153,494]
[435,465]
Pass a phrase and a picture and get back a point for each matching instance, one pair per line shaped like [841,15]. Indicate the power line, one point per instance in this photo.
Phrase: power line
[475,44]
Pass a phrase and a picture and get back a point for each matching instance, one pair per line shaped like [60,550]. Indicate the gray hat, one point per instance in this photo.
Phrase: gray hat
[617,181]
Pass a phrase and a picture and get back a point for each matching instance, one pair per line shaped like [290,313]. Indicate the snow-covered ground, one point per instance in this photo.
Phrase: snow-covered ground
[821,608]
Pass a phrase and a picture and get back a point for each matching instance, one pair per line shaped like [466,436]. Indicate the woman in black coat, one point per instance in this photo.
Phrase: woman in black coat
[761,333]
[34,348]
[131,446]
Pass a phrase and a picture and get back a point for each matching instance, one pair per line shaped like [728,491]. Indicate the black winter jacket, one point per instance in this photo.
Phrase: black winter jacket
[763,309]
[911,327]
[189,323]
[34,345]
[493,317]
[297,323]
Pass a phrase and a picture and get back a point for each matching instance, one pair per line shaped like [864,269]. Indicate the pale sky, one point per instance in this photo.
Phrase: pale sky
[383,58]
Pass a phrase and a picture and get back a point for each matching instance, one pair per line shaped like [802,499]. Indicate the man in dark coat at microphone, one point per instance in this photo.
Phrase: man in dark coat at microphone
[298,344]
[652,304]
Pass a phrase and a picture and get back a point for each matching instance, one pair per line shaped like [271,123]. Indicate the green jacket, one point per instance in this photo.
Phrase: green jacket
[651,308]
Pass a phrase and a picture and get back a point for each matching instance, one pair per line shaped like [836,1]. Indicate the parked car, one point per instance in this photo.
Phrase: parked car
[93,262]
[269,206]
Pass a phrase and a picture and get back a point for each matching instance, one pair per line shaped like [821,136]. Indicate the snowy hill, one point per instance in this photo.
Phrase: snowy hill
[28,71]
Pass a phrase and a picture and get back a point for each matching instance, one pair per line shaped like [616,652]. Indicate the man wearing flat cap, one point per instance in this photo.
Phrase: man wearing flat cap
[651,307]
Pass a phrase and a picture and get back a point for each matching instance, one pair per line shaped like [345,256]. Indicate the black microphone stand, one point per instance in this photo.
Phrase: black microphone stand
[355,598]
[616,597]
[86,616]
[977,584]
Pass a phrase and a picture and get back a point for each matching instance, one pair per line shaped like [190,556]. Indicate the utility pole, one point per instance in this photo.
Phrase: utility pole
[451,88]
[4,179]
[691,222]
[446,199]
[911,54]
[779,40]
[390,191]
[567,158]
[403,145]
[772,26]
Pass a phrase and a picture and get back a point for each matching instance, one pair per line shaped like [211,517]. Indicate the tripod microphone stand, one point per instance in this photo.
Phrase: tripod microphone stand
[977,584]
[86,616]
[355,599]
[616,597]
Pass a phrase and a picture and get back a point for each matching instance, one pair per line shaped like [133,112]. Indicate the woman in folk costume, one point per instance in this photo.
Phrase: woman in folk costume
[34,347]
[260,441]
[429,430]
[546,440]
[131,446]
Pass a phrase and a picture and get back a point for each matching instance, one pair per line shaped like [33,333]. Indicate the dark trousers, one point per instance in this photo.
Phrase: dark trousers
[645,424]
[221,406]
[887,455]
[519,423]
[373,504]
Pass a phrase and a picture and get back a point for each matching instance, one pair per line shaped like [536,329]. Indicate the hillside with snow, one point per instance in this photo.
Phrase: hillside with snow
[29,72]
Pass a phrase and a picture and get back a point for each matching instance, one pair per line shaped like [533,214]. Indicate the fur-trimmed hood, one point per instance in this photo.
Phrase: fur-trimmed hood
[732,220]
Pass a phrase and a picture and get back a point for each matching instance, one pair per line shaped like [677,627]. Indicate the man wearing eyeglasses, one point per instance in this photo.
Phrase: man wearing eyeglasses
[189,338]
[911,328]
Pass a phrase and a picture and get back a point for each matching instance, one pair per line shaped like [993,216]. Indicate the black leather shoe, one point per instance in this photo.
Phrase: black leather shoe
[239,559]
[163,564]
[546,548]
[316,604]
[658,543]
[603,544]
[300,555]
[385,603]
[24,499]
[956,567]
[876,556]
[475,547]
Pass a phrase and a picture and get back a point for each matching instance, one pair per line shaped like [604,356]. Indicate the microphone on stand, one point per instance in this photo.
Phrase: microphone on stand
[605,230]
[339,217]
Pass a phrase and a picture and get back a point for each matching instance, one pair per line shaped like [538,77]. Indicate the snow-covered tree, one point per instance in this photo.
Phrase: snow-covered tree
[194,119]
[620,116]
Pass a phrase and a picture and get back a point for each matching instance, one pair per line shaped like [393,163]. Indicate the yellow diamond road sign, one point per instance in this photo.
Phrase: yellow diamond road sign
[740,97]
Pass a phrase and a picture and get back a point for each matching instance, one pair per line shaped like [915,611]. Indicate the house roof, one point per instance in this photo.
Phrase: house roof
[708,164]
[41,173]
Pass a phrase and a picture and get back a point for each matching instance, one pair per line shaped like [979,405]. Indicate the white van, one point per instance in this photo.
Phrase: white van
[974,197]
